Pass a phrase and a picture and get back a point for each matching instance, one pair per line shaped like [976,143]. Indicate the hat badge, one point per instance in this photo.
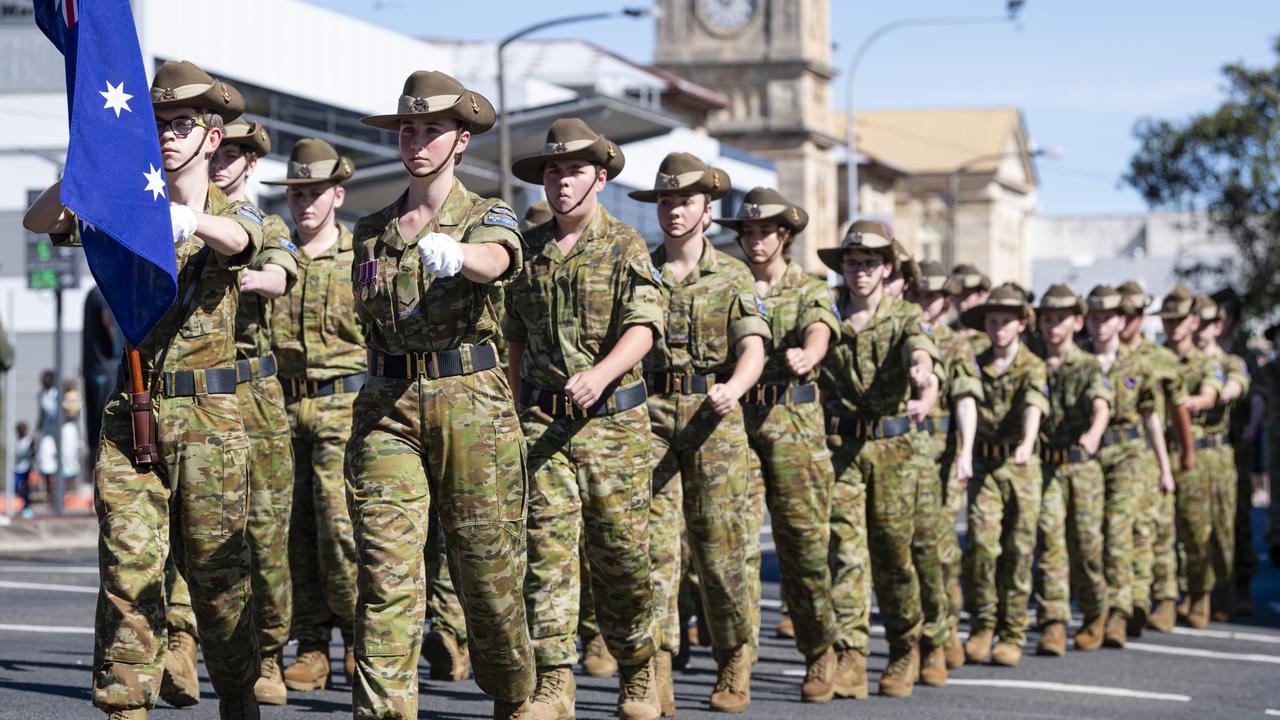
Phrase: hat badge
[795,215]
[611,151]
[226,94]
[559,148]
[670,181]
[752,210]
[420,105]
[715,180]
[303,171]
[474,107]
[855,239]
[167,94]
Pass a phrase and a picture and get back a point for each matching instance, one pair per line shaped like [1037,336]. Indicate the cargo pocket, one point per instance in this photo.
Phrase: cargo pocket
[215,486]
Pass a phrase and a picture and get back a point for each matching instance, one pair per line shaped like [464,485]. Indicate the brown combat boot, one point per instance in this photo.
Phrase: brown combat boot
[1089,636]
[1053,640]
[954,651]
[1198,615]
[1221,604]
[638,697]
[900,676]
[1117,630]
[1184,608]
[978,647]
[553,698]
[819,678]
[349,663]
[786,629]
[1163,617]
[1137,621]
[506,710]
[933,668]
[666,686]
[851,674]
[138,714]
[449,659]
[180,686]
[310,668]
[596,659]
[1007,654]
[732,692]
[241,708]
[269,687]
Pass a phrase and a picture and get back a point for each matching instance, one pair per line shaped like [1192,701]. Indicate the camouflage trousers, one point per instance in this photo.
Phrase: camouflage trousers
[793,464]
[457,441]
[1004,509]
[1147,497]
[1162,512]
[1196,506]
[700,478]
[444,609]
[1222,546]
[953,502]
[193,505]
[322,548]
[590,488]
[847,553]
[754,551]
[1246,560]
[1070,548]
[1125,471]
[270,499]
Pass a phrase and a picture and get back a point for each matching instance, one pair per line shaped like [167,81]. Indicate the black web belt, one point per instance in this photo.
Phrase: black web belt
[770,394]
[433,365]
[255,368]
[940,425]
[667,383]
[558,405]
[871,429]
[295,388]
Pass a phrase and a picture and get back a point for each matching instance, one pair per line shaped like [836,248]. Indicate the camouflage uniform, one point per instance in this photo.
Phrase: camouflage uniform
[1195,487]
[1155,571]
[1004,499]
[701,473]
[867,386]
[589,477]
[444,609]
[1070,551]
[960,373]
[193,502]
[421,433]
[1221,472]
[318,339]
[793,463]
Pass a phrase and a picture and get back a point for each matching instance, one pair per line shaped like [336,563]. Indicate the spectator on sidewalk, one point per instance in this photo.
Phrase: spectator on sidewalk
[24,453]
[71,406]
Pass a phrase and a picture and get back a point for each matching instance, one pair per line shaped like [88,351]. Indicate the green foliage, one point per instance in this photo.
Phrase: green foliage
[1224,163]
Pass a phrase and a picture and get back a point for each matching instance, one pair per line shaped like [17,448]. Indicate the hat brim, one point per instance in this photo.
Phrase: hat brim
[478,122]
[711,187]
[975,318]
[345,169]
[529,168]
[211,100]
[736,223]
[834,257]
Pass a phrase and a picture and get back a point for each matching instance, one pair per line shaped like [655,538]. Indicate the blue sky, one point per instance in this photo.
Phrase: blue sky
[1083,71]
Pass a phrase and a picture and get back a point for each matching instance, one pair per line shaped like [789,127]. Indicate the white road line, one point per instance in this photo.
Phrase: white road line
[56,629]
[1272,713]
[44,586]
[51,569]
[1069,688]
[1228,635]
[1197,652]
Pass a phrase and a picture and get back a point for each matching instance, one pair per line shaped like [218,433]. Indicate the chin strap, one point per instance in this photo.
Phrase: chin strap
[438,168]
[195,152]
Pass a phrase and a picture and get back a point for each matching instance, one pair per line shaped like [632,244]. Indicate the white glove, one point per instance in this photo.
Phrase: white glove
[183,221]
[441,255]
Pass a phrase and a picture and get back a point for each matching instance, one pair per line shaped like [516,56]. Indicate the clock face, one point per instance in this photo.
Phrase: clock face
[725,17]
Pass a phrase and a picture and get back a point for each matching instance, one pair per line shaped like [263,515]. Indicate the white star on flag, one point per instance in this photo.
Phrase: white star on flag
[155,183]
[117,98]
[86,227]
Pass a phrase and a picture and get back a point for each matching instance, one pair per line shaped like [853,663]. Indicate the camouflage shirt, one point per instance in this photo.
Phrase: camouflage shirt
[205,337]
[315,332]
[1198,371]
[570,310]
[959,370]
[253,317]
[407,310]
[866,372]
[1164,369]
[794,303]
[1078,381]
[1134,386]
[707,313]
[1023,384]
[1227,368]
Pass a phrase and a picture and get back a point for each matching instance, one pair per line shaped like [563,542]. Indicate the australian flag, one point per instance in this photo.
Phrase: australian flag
[114,179]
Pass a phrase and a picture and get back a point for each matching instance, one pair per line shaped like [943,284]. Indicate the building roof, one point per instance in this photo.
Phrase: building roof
[941,140]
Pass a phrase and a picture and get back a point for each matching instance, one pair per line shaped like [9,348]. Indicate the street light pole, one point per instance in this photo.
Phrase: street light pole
[504,133]
[851,135]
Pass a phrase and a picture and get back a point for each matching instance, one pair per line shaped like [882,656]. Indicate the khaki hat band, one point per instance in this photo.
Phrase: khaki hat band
[319,169]
[557,148]
[181,92]
[971,282]
[1059,303]
[751,210]
[409,105]
[1178,307]
[1109,302]
[933,284]
[669,182]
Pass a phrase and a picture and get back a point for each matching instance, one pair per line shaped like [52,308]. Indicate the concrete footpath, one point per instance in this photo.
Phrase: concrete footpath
[22,536]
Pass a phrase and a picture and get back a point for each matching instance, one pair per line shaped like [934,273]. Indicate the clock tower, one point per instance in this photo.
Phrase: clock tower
[772,59]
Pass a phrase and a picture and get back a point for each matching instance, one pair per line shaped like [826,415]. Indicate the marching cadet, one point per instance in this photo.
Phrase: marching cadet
[1202,380]
[784,423]
[436,421]
[188,362]
[1219,461]
[880,383]
[1154,561]
[1070,550]
[950,426]
[974,286]
[1126,462]
[1004,502]
[906,272]
[711,354]
[318,342]
[580,319]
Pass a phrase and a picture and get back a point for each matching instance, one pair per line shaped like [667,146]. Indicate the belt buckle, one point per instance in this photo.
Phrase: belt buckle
[422,362]
[772,394]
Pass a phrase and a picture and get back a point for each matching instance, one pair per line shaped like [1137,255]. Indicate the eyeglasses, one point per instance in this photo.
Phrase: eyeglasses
[856,265]
[179,126]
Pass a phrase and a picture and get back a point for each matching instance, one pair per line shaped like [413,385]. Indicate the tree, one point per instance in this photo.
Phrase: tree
[1225,163]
